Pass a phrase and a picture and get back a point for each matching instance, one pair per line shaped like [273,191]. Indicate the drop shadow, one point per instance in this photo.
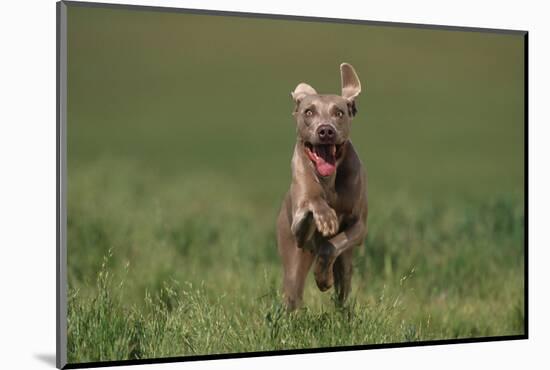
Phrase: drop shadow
[47,358]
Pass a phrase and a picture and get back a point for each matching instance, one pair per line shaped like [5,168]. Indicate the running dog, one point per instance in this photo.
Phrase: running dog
[324,213]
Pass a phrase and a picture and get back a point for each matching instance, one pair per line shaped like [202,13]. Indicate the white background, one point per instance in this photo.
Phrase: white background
[27,183]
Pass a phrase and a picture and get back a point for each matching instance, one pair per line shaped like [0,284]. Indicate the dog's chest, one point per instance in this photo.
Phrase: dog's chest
[338,200]
[331,195]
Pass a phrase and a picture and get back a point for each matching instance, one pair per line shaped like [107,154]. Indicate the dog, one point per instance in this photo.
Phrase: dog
[324,213]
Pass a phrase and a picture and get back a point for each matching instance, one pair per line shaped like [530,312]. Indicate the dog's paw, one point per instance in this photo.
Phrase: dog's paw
[326,220]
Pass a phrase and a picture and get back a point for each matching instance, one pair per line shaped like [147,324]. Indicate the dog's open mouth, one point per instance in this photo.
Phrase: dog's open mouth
[324,157]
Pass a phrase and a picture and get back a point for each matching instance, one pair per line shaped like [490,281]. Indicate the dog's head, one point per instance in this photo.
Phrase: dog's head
[324,121]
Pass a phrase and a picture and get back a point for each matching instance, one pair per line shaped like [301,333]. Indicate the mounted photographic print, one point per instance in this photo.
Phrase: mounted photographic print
[234,184]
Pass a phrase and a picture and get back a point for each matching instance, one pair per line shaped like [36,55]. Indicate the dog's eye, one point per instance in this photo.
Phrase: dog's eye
[339,114]
[308,112]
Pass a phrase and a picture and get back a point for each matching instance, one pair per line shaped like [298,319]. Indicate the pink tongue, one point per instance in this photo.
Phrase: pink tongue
[324,168]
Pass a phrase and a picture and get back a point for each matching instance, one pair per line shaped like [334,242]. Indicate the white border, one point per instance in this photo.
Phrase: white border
[27,200]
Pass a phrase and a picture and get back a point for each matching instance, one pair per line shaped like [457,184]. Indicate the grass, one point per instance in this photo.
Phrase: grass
[179,140]
[158,272]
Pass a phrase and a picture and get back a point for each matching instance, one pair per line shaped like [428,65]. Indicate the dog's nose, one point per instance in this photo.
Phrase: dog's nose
[325,133]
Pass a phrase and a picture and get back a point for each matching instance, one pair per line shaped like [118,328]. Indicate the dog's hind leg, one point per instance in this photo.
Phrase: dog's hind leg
[296,263]
[326,258]
[294,279]
[342,270]
[330,250]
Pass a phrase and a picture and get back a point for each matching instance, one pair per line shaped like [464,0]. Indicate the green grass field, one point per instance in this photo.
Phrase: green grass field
[179,145]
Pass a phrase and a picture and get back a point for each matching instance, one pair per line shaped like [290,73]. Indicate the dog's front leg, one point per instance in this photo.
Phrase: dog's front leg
[350,237]
[302,226]
[329,250]
[310,215]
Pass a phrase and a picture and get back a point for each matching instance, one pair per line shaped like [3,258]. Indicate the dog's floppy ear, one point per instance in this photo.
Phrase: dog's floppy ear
[301,91]
[351,86]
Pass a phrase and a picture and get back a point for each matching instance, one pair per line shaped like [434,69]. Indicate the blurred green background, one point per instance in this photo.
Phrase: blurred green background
[441,111]
[180,136]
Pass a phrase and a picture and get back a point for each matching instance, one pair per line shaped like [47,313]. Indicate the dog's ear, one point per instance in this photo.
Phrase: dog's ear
[351,86]
[301,91]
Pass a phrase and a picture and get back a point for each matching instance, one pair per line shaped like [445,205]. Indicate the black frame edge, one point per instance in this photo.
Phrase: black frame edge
[526,180]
